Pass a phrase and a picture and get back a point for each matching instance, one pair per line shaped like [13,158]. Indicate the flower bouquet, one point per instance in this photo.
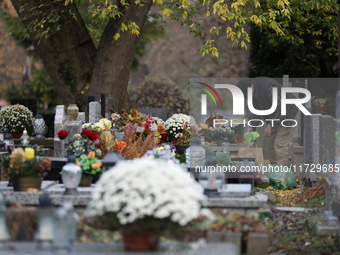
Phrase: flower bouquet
[82,143]
[16,118]
[145,199]
[178,126]
[25,169]
[89,168]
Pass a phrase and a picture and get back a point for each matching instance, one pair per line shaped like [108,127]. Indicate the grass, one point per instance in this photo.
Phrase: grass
[313,202]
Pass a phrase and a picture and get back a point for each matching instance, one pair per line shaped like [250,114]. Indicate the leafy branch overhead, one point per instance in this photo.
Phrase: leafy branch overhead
[274,17]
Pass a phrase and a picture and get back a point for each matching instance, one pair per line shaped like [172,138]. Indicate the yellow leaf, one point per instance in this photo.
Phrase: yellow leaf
[117,36]
[68,1]
[166,12]
[185,15]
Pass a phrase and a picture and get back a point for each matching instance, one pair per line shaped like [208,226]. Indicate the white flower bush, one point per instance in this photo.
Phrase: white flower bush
[16,118]
[174,125]
[146,188]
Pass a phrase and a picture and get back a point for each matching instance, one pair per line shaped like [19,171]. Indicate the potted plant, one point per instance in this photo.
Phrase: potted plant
[16,118]
[218,134]
[89,168]
[142,198]
[175,125]
[239,131]
[25,169]
[183,139]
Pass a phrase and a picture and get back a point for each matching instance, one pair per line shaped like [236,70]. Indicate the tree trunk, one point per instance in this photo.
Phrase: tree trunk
[114,58]
[76,67]
[68,54]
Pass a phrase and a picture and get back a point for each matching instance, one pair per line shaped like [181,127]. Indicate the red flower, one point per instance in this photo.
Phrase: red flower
[62,134]
[90,134]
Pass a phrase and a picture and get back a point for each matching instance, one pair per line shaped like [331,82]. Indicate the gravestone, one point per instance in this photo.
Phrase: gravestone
[110,105]
[59,119]
[81,117]
[312,143]
[94,112]
[104,105]
[73,127]
[59,147]
[154,112]
[327,139]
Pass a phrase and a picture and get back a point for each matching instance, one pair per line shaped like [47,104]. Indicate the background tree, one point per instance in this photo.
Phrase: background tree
[79,66]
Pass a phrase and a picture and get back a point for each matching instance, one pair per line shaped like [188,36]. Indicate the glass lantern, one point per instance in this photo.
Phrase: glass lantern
[44,234]
[71,176]
[71,217]
[211,181]
[25,139]
[9,143]
[61,236]
[39,126]
[4,236]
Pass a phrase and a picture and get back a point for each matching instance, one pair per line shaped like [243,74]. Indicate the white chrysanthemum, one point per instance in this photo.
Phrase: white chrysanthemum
[147,187]
[86,125]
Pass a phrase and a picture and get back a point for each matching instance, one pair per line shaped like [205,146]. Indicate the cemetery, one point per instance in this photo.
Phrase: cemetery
[126,128]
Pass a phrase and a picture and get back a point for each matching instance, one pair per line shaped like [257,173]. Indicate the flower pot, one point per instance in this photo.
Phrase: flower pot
[180,148]
[174,141]
[16,135]
[85,181]
[140,241]
[24,183]
[239,139]
[219,142]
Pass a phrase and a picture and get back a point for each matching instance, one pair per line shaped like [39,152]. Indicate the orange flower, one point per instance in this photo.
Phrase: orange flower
[121,145]
[161,129]
[139,123]
[134,113]
[125,115]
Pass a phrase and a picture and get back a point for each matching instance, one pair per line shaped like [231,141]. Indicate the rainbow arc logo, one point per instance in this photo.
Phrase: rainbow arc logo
[209,93]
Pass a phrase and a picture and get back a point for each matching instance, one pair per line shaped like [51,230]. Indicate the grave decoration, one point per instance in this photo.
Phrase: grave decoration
[215,134]
[178,128]
[16,118]
[25,169]
[71,176]
[44,233]
[135,146]
[89,167]
[162,152]
[39,126]
[143,208]
[238,129]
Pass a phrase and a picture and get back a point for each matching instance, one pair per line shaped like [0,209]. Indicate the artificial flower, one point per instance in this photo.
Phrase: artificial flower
[90,134]
[29,153]
[62,134]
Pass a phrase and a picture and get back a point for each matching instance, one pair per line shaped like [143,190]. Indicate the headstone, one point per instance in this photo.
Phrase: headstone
[73,127]
[331,220]
[330,192]
[94,112]
[312,143]
[59,146]
[285,82]
[154,112]
[104,105]
[81,117]
[59,119]
[30,103]
[327,140]
[110,105]
[235,190]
